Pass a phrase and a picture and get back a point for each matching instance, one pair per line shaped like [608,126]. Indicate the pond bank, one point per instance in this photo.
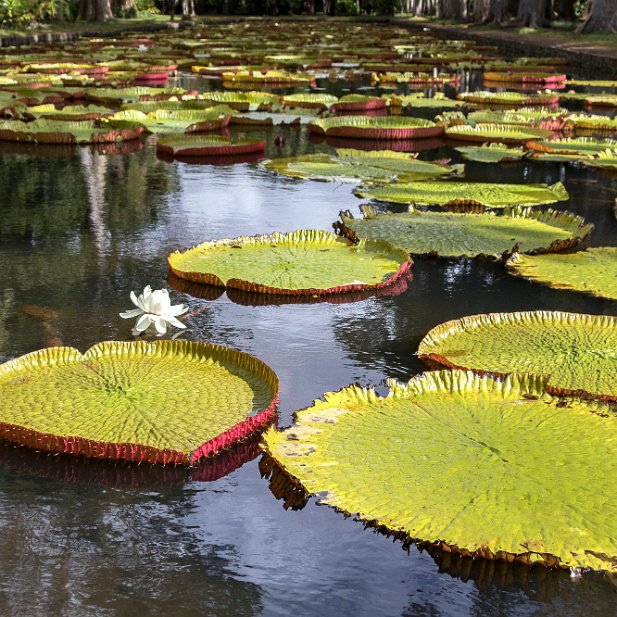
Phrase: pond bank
[591,59]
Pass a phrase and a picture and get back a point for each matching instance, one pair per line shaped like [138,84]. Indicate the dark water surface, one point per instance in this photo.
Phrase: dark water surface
[78,231]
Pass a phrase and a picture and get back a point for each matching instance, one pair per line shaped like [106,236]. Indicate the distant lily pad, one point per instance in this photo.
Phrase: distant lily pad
[575,352]
[449,234]
[208,145]
[67,132]
[592,272]
[178,121]
[162,402]
[355,165]
[508,98]
[370,127]
[305,262]
[504,133]
[491,153]
[463,194]
[463,464]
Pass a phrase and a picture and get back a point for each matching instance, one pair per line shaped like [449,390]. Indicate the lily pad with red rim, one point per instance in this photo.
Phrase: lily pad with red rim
[300,263]
[161,402]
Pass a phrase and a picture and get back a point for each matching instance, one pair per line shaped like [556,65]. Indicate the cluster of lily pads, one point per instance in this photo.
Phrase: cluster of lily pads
[524,414]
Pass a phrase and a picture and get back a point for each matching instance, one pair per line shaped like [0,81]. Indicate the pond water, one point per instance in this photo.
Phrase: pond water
[78,231]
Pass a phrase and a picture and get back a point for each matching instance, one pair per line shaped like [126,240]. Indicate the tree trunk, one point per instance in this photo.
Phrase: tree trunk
[452,9]
[532,13]
[565,9]
[602,17]
[494,11]
[94,10]
[188,8]
[124,8]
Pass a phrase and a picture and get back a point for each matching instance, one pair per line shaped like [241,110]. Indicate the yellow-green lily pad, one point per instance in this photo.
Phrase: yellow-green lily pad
[465,464]
[576,352]
[160,402]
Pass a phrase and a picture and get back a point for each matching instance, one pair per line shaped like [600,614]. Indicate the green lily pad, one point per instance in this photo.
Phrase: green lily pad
[319,100]
[606,160]
[455,193]
[491,153]
[508,98]
[584,124]
[354,165]
[504,133]
[115,96]
[568,150]
[418,99]
[178,121]
[376,127]
[601,100]
[167,401]
[592,272]
[576,352]
[449,234]
[305,262]
[208,145]
[464,464]
[535,77]
[66,132]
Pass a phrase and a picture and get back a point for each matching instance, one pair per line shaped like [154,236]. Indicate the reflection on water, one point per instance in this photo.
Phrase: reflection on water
[79,229]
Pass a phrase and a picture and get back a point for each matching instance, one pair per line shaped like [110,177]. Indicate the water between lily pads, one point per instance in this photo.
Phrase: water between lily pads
[79,230]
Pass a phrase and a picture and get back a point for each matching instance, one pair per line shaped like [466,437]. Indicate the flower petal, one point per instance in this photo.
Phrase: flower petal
[131,313]
[177,309]
[143,322]
[134,298]
[160,324]
[174,322]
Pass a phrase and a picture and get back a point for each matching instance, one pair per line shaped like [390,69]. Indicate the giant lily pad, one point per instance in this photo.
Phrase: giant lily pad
[593,271]
[455,193]
[465,464]
[305,262]
[178,121]
[504,133]
[66,132]
[353,165]
[449,234]
[606,160]
[208,145]
[576,352]
[369,127]
[491,153]
[168,401]
[572,149]
[508,98]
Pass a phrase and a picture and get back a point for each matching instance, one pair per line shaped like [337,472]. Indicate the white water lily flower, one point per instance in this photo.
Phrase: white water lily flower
[154,308]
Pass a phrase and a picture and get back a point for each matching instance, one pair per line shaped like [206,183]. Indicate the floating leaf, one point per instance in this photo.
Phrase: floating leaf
[319,100]
[208,145]
[464,464]
[575,352]
[178,121]
[508,98]
[353,165]
[593,271]
[449,234]
[305,262]
[370,127]
[66,132]
[461,194]
[606,160]
[504,133]
[167,401]
[491,153]
[547,79]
